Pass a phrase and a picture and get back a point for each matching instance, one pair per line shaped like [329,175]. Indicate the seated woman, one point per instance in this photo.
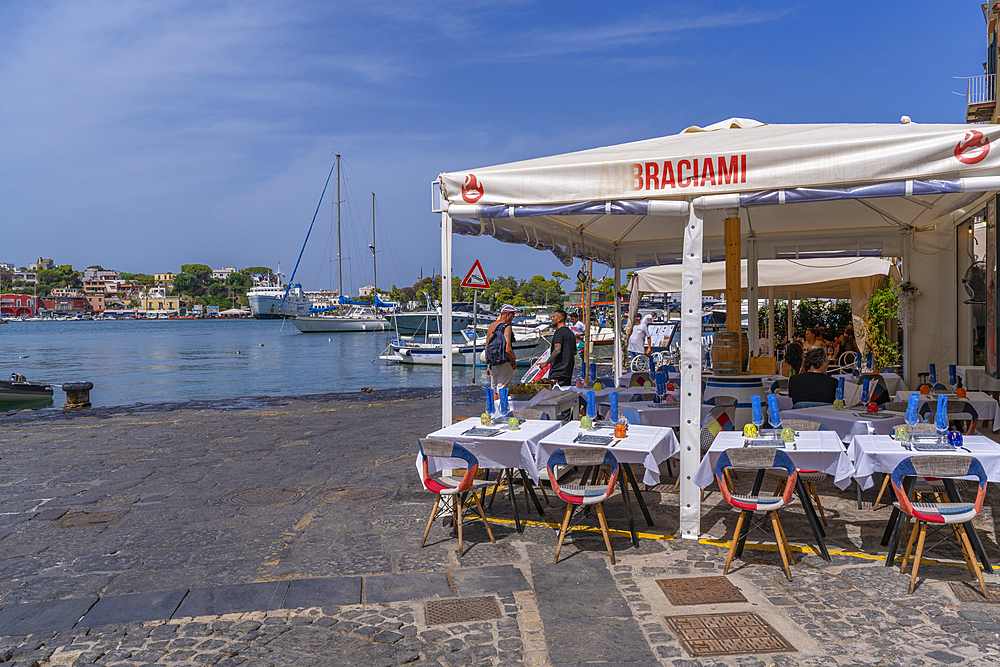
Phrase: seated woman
[812,387]
[792,363]
[813,340]
[846,343]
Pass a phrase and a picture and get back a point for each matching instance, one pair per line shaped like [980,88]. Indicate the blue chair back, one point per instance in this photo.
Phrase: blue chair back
[632,415]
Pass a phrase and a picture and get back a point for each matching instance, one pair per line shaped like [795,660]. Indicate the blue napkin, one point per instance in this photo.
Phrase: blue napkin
[840,390]
[864,390]
[952,375]
[503,401]
[772,408]
[489,401]
[591,404]
[661,382]
[942,414]
[613,412]
[912,409]
[593,372]
[933,374]
[758,413]
[871,360]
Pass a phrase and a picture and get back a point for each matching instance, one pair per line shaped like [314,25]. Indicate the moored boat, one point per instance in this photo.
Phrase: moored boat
[470,351]
[17,389]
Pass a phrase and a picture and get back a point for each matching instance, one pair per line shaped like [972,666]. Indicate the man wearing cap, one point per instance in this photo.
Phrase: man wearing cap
[500,366]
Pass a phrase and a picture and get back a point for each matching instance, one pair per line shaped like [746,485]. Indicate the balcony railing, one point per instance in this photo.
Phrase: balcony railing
[980,98]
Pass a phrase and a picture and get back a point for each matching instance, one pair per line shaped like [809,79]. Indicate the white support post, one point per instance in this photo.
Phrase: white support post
[618,320]
[909,375]
[446,343]
[753,332]
[690,496]
[770,321]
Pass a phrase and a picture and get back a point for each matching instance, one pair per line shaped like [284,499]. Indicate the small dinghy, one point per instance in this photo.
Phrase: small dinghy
[18,389]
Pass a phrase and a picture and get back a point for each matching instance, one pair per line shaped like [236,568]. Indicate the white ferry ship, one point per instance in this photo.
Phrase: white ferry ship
[266,296]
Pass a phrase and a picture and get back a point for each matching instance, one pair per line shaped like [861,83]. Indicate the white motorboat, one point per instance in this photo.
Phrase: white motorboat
[19,390]
[359,318]
[404,350]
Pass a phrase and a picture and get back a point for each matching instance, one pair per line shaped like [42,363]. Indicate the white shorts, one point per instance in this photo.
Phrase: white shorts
[501,375]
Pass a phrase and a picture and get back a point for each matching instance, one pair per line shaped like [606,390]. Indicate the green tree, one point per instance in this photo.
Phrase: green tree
[200,271]
[187,283]
[263,271]
[218,289]
[141,278]
[238,279]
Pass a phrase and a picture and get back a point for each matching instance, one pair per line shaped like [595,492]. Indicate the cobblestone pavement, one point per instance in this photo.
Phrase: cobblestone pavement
[287,533]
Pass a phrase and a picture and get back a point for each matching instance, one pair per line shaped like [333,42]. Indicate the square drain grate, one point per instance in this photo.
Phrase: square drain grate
[970,592]
[726,634]
[461,610]
[700,590]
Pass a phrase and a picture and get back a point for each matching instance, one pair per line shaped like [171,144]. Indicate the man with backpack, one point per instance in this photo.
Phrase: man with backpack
[500,360]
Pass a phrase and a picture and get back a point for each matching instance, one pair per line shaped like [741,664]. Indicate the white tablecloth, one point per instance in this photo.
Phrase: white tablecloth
[658,414]
[880,453]
[648,445]
[626,378]
[510,449]
[975,378]
[985,405]
[848,423]
[815,450]
[893,382]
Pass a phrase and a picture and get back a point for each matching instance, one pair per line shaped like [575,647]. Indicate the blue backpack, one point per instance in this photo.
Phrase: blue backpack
[496,346]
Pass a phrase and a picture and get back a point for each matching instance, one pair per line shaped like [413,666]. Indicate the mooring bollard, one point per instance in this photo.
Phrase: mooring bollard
[77,394]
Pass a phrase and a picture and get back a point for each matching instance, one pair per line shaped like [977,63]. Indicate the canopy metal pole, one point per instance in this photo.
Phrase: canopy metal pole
[587,298]
[618,320]
[446,342]
[905,274]
[690,494]
[752,279]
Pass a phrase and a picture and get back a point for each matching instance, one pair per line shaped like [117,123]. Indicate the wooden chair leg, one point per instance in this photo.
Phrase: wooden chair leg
[454,513]
[819,505]
[562,532]
[430,521]
[677,484]
[965,555]
[544,494]
[778,488]
[482,515]
[604,531]
[885,484]
[916,558]
[910,542]
[967,547]
[729,478]
[458,511]
[732,547]
[781,544]
[496,487]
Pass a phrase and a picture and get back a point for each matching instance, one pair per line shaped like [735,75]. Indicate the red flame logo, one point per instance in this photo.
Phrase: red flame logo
[472,191]
[973,147]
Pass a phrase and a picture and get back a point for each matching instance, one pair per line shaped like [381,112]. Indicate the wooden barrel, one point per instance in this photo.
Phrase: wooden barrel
[730,352]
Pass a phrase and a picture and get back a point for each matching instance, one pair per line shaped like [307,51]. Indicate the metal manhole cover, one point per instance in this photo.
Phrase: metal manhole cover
[271,495]
[727,634]
[970,592]
[75,519]
[700,590]
[461,610]
[364,494]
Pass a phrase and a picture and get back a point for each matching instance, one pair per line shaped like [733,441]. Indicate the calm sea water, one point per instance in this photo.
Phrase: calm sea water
[157,361]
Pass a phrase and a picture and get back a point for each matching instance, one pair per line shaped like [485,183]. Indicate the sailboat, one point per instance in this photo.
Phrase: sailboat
[358,316]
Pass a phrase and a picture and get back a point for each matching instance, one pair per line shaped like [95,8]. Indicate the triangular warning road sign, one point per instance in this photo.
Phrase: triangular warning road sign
[476,277]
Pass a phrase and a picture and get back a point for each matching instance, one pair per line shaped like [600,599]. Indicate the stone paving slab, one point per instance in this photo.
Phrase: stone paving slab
[323,592]
[500,579]
[231,599]
[31,617]
[133,608]
[400,587]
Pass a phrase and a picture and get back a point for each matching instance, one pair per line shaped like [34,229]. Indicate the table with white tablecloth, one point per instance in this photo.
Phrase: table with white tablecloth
[657,414]
[880,453]
[893,382]
[985,405]
[975,378]
[646,445]
[813,450]
[507,449]
[849,422]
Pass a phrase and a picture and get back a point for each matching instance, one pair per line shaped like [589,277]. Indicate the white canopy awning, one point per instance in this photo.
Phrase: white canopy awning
[801,186]
[820,277]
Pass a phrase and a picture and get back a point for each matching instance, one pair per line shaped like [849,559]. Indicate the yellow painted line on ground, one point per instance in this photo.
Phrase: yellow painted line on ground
[833,552]
[281,544]
[61,428]
[272,414]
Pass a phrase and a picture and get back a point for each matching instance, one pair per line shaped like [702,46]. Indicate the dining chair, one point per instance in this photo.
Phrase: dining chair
[924,485]
[506,476]
[895,406]
[952,514]
[809,478]
[757,458]
[632,415]
[719,419]
[453,486]
[579,495]
[727,401]
[954,410]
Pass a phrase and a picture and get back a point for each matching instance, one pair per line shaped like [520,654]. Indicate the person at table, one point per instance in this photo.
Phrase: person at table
[812,387]
[638,340]
[846,342]
[562,351]
[813,340]
[500,360]
[792,362]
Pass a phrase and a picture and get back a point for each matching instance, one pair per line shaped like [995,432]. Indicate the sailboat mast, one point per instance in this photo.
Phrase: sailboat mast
[374,263]
[340,262]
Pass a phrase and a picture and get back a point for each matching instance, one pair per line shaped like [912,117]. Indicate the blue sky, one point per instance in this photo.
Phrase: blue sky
[143,135]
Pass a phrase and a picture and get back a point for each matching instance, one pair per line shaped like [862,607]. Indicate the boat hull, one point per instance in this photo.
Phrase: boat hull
[417,323]
[339,324]
[15,392]
[268,307]
[462,354]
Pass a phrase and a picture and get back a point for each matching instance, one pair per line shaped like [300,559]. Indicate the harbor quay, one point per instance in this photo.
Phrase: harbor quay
[287,532]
